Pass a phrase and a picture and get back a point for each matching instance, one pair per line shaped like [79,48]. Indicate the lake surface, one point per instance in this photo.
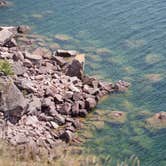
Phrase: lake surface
[122,40]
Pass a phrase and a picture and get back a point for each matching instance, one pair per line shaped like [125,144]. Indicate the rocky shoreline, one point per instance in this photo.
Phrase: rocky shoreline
[45,95]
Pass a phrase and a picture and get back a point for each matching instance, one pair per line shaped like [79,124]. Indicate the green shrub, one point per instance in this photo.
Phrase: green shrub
[6,67]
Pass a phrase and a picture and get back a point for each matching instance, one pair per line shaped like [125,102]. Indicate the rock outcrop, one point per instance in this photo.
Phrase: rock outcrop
[42,102]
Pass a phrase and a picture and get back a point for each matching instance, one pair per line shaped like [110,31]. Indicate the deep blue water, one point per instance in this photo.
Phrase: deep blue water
[134,34]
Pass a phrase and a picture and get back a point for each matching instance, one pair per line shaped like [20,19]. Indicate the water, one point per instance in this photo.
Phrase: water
[122,40]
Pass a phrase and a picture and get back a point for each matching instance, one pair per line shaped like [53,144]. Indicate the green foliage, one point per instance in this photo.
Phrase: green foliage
[6,67]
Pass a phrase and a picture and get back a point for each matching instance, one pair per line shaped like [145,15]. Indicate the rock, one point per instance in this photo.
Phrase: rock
[24,84]
[23,29]
[75,109]
[58,98]
[31,121]
[18,56]
[80,58]
[18,68]
[3,3]
[83,112]
[67,136]
[66,53]
[21,139]
[90,103]
[32,57]
[27,63]
[60,61]
[116,117]
[11,43]
[157,121]
[54,125]
[34,106]
[43,52]
[66,109]
[5,36]
[107,86]
[121,86]
[12,101]
[73,88]
[75,69]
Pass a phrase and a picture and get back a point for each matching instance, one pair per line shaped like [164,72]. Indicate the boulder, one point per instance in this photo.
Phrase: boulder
[5,36]
[23,29]
[75,69]
[66,53]
[12,101]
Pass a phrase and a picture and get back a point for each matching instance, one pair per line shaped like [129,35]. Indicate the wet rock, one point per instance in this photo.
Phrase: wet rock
[12,100]
[65,53]
[5,36]
[75,69]
[116,117]
[157,121]
[121,86]
[23,29]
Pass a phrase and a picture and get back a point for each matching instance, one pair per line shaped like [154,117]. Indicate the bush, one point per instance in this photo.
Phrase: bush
[6,68]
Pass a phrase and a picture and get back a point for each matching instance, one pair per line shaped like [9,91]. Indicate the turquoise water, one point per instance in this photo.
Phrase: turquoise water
[122,40]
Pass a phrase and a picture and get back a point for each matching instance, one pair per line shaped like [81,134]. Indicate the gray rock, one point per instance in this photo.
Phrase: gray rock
[12,101]
[18,68]
[32,56]
[5,36]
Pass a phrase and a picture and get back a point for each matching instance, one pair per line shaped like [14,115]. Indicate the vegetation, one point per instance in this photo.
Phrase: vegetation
[72,156]
[6,68]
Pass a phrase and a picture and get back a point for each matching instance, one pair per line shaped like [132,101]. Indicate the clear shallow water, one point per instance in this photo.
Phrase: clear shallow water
[133,35]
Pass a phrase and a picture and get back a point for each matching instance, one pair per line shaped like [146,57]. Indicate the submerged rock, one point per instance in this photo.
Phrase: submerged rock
[116,117]
[3,3]
[157,121]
